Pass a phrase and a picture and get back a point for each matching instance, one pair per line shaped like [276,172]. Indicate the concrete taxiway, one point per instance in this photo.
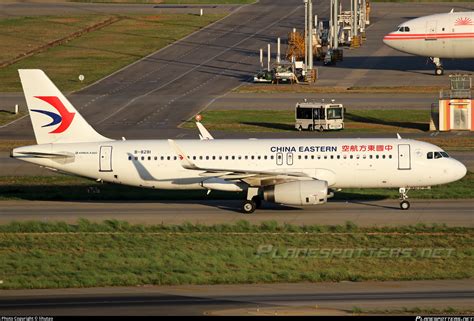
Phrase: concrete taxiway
[209,212]
[247,299]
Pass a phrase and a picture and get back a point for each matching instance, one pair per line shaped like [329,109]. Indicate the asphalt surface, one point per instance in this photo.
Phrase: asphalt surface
[209,212]
[352,101]
[150,98]
[247,299]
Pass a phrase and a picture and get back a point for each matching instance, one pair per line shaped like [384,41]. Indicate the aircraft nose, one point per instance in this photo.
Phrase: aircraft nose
[388,39]
[460,170]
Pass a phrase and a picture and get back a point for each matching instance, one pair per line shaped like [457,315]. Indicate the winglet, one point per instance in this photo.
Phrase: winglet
[204,133]
[452,10]
[398,136]
[185,161]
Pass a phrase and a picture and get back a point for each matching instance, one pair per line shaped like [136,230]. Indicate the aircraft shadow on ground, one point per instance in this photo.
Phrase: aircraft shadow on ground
[125,194]
[400,124]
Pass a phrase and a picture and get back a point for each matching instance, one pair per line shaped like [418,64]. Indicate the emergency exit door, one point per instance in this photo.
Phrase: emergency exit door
[105,159]
[404,159]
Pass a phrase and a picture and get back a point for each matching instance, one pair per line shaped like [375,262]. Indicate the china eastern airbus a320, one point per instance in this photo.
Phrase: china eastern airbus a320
[284,171]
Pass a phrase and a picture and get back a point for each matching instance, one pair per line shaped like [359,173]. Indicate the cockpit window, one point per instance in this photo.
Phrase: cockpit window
[407,29]
[404,29]
[436,155]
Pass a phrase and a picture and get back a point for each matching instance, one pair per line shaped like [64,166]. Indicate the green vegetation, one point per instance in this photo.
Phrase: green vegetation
[64,187]
[94,54]
[115,253]
[372,120]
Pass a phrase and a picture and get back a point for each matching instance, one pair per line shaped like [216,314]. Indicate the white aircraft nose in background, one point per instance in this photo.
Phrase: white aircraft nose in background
[446,35]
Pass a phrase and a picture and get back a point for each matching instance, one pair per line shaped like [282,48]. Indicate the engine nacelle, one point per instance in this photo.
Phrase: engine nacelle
[297,193]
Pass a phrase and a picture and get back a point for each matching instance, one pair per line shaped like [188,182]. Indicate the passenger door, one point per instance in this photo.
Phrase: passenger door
[105,159]
[404,157]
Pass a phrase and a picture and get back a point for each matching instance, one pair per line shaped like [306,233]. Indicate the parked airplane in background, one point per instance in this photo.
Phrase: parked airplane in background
[286,171]
[445,35]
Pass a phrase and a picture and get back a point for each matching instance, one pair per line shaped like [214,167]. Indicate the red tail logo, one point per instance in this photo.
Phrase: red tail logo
[66,116]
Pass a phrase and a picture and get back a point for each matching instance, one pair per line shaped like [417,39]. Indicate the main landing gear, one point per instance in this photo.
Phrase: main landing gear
[438,66]
[404,204]
[253,201]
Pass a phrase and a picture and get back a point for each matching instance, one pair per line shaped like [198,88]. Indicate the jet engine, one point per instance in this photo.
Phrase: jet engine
[297,193]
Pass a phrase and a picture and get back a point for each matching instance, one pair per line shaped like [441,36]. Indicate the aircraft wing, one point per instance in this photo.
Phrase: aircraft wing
[252,177]
[203,132]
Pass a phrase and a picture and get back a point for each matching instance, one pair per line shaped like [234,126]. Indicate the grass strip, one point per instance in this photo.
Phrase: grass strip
[98,53]
[370,120]
[48,260]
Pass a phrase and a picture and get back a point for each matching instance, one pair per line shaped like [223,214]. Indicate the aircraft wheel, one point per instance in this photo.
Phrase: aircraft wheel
[404,205]
[248,207]
[439,71]
[321,129]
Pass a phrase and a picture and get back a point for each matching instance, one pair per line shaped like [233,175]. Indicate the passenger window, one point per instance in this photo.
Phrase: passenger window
[429,155]
[143,158]
[129,157]
[168,158]
[207,157]
[175,158]
[156,157]
[233,157]
[149,157]
[136,158]
[265,157]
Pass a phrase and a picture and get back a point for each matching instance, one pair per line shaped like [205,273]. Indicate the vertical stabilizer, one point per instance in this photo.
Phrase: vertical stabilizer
[54,118]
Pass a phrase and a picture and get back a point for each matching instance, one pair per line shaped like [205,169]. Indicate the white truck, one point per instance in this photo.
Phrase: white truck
[319,116]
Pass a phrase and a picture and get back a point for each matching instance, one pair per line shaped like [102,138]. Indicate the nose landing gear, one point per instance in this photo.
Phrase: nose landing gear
[404,204]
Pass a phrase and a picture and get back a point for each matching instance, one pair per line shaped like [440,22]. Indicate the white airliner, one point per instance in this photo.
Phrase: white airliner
[445,35]
[285,171]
